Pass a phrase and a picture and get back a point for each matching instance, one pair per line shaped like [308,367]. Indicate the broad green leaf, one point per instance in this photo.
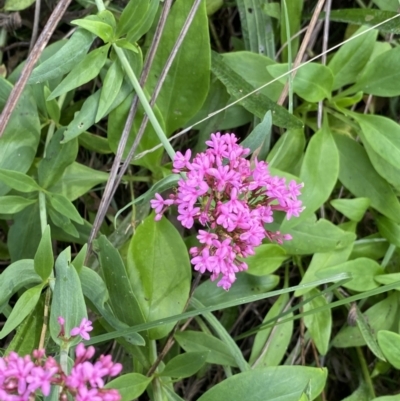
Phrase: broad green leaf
[389,279]
[259,135]
[388,398]
[319,324]
[60,220]
[276,383]
[188,79]
[313,82]
[185,365]
[380,77]
[21,243]
[116,124]
[256,25]
[19,181]
[195,341]
[319,173]
[132,16]
[123,299]
[137,30]
[389,230]
[17,5]
[320,261]
[267,258]
[11,204]
[381,139]
[362,270]
[390,346]
[288,151]
[111,86]
[44,259]
[353,209]
[83,72]
[94,142]
[17,275]
[350,59]
[64,206]
[99,28]
[316,237]
[27,335]
[130,385]
[64,59]
[258,104]
[68,300]
[367,16]
[159,271]
[25,304]
[209,294]
[380,316]
[359,177]
[58,157]
[270,345]
[388,5]
[18,145]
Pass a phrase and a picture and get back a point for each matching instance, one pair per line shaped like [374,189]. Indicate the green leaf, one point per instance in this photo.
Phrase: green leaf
[390,346]
[130,386]
[52,107]
[19,181]
[242,62]
[270,345]
[267,258]
[288,151]
[94,142]
[319,324]
[159,271]
[185,365]
[367,16]
[17,5]
[217,352]
[362,270]
[380,77]
[293,19]
[123,300]
[44,259]
[188,79]
[77,180]
[353,209]
[61,203]
[246,284]
[13,204]
[60,220]
[21,243]
[100,29]
[257,104]
[16,276]
[380,316]
[83,72]
[319,173]
[132,16]
[313,82]
[271,383]
[320,261]
[259,135]
[347,63]
[25,304]
[111,86]
[27,335]
[313,237]
[138,30]
[359,177]
[65,59]
[389,230]
[67,300]
[380,136]
[58,157]
[389,279]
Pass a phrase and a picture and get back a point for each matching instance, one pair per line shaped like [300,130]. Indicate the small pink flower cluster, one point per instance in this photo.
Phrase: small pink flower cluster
[234,198]
[22,377]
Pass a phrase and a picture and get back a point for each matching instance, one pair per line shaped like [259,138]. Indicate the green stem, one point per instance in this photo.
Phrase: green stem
[365,372]
[42,211]
[157,391]
[145,103]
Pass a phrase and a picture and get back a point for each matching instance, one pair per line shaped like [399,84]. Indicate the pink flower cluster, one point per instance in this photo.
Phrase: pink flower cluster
[22,377]
[234,198]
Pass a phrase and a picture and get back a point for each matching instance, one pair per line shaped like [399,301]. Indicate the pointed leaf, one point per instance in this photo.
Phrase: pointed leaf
[44,259]
[185,365]
[19,181]
[11,204]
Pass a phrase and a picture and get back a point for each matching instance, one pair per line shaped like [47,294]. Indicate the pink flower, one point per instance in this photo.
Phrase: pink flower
[234,199]
[83,329]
